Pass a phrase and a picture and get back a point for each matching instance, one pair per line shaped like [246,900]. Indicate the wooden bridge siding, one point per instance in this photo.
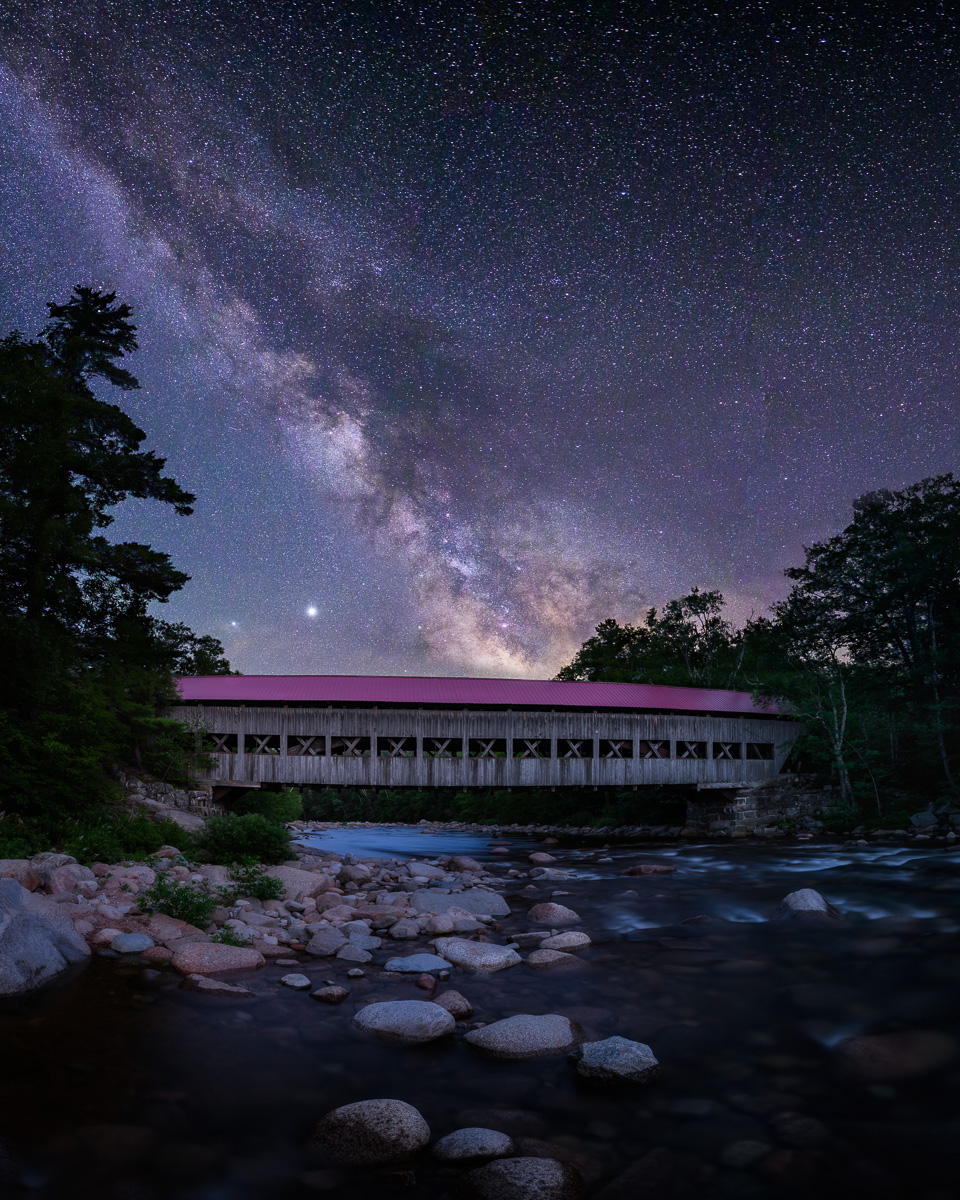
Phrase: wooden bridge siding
[488,772]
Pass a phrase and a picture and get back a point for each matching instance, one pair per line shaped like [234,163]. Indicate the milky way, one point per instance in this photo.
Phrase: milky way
[472,325]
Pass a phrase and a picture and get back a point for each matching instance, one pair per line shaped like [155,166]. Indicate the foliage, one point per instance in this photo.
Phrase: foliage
[87,669]
[251,881]
[687,644]
[247,838]
[113,836]
[183,901]
[280,807]
[228,936]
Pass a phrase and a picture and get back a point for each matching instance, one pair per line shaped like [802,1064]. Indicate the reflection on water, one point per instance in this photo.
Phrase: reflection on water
[121,1086]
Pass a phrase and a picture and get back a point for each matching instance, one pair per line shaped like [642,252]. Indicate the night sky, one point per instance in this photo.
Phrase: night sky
[472,325]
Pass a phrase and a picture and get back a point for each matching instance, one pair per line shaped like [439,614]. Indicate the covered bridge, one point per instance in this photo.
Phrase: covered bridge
[382,731]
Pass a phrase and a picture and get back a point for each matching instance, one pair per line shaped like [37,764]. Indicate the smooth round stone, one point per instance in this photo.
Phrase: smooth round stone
[466,1144]
[350,953]
[550,913]
[456,1004]
[909,1054]
[417,964]
[480,957]
[744,1154]
[404,1022]
[372,1131]
[805,903]
[616,1060]
[298,982]
[132,943]
[543,960]
[525,1036]
[525,1179]
[330,995]
[572,940]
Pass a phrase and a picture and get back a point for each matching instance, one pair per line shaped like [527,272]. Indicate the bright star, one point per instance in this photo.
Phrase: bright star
[311,611]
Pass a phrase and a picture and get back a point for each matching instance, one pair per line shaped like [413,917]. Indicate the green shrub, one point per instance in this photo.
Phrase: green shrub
[248,838]
[228,936]
[112,836]
[183,901]
[251,881]
[279,807]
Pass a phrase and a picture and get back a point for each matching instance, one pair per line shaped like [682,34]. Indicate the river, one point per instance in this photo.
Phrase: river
[118,1084]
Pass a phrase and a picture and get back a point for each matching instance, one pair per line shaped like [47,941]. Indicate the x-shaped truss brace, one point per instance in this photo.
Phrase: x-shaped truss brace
[532,749]
[438,748]
[653,750]
[725,749]
[616,749]
[486,748]
[261,745]
[572,750]
[351,748]
[306,745]
[690,750]
[220,743]
[397,747]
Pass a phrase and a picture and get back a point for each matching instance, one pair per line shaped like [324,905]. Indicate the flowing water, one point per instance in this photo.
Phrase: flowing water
[119,1085]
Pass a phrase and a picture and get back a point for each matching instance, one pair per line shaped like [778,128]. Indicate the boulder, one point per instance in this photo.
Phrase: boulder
[297,884]
[455,1004]
[372,1131]
[462,862]
[210,958]
[473,900]
[474,1145]
[132,943]
[37,943]
[28,874]
[544,960]
[553,914]
[325,943]
[571,940]
[525,1036]
[551,875]
[649,869]
[616,1060]
[480,957]
[66,877]
[540,858]
[804,904]
[416,964]
[299,983]
[404,1022]
[331,994]
[350,953]
[524,1179]
[419,870]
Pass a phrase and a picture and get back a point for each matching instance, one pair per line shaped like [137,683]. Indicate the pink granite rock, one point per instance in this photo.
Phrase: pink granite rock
[211,958]
[552,914]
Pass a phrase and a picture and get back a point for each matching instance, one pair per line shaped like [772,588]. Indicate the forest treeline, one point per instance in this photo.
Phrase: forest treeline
[88,670]
[865,648]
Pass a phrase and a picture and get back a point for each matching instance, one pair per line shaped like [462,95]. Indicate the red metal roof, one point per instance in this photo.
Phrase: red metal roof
[459,693]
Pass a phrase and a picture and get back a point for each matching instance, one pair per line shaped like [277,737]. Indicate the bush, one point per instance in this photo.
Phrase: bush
[112,836]
[182,901]
[228,936]
[245,839]
[278,807]
[251,881]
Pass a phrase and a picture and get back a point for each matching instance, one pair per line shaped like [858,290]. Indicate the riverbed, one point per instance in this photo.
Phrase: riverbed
[119,1084]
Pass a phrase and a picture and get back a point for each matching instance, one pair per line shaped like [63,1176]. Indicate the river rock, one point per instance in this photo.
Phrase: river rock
[36,943]
[297,884]
[525,1036]
[473,900]
[372,1131]
[909,1054]
[325,943]
[479,957]
[544,960]
[132,943]
[419,870]
[525,1179]
[217,987]
[804,904]
[466,1145]
[540,858]
[455,1004]
[571,940]
[649,869]
[28,874]
[616,1060]
[298,982]
[331,994]
[416,964]
[553,914]
[544,875]
[462,862]
[65,878]
[210,958]
[354,954]
[404,1022]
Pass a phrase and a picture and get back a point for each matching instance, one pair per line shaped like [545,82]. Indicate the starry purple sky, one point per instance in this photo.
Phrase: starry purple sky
[473,324]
